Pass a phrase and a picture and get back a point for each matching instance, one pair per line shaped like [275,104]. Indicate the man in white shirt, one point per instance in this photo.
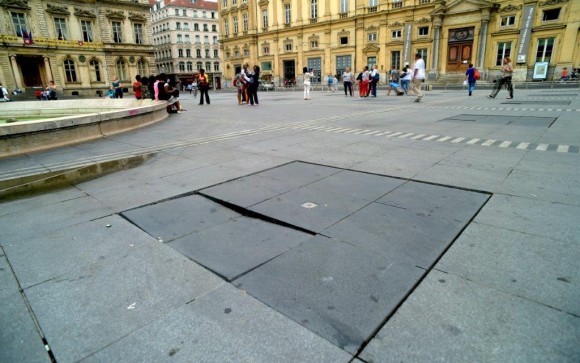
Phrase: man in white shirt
[374,79]
[418,77]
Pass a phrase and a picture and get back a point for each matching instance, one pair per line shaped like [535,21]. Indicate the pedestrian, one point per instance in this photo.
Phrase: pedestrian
[51,91]
[3,94]
[145,91]
[470,78]
[374,80]
[307,77]
[137,87]
[203,85]
[507,72]
[189,87]
[334,84]
[394,75]
[329,83]
[253,86]
[418,77]
[118,87]
[406,77]
[363,84]
[152,86]
[347,81]
[564,76]
[111,92]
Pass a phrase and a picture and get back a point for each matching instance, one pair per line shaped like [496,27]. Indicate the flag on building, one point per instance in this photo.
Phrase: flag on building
[27,37]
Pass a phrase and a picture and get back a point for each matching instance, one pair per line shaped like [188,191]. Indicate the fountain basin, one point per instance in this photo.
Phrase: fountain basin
[41,125]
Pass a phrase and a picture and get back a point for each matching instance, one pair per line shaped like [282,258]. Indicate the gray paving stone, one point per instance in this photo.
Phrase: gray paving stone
[19,339]
[337,290]
[250,190]
[226,325]
[451,319]
[90,308]
[175,218]
[358,185]
[238,245]
[539,269]
[398,232]
[68,249]
[303,173]
[540,218]
[40,200]
[50,217]
[435,200]
[331,208]
[8,283]
[463,177]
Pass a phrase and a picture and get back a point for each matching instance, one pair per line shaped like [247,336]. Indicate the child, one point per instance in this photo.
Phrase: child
[111,92]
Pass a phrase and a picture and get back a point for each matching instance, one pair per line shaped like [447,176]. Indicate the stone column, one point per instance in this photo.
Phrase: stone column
[482,39]
[16,73]
[47,68]
[434,71]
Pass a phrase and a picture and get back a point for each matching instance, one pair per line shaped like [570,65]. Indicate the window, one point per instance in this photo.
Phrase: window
[372,37]
[313,9]
[186,26]
[214,28]
[314,44]
[234,2]
[95,70]
[373,3]
[508,20]
[208,66]
[206,39]
[371,61]
[19,23]
[70,70]
[316,65]
[138,30]
[215,53]
[545,47]
[246,52]
[226,27]
[423,52]
[188,53]
[423,31]
[207,53]
[215,40]
[287,14]
[266,50]
[87,30]
[203,14]
[216,66]
[503,50]
[212,15]
[396,59]
[288,47]
[235,25]
[205,28]
[344,6]
[187,39]
[197,39]
[117,32]
[397,4]
[396,34]
[182,66]
[184,13]
[196,27]
[265,19]
[198,53]
[190,66]
[343,62]
[199,65]
[343,40]
[60,28]
[179,38]
[180,53]
[176,12]
[122,69]
[178,26]
[195,13]
[552,14]
[142,67]
[245,22]
[225,4]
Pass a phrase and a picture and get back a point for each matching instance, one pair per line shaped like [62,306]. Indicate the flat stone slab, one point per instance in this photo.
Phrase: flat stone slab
[503,119]
[451,319]
[300,173]
[339,291]
[225,325]
[176,218]
[238,245]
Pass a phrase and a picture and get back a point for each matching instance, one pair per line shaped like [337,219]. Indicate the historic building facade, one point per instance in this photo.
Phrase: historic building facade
[186,39]
[329,35]
[81,45]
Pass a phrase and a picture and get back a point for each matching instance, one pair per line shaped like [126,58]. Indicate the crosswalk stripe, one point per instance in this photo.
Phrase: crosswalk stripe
[473,141]
[418,136]
[394,134]
[505,144]
[383,133]
[488,142]
[445,138]
[431,137]
[372,132]
[542,147]
[351,131]
[523,145]
[361,132]
[563,148]
[457,140]
[406,135]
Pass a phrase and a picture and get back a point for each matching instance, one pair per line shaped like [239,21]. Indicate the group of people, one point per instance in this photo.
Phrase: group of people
[369,79]
[48,93]
[247,83]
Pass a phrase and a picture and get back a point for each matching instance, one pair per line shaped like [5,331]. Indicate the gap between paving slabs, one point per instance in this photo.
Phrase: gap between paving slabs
[335,250]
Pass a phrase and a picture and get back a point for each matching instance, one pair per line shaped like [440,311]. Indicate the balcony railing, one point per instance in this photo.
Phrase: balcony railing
[372,9]
[343,15]
[313,20]
[397,5]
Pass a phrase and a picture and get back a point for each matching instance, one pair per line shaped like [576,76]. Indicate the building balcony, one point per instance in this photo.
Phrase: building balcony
[343,15]
[313,20]
[372,9]
[397,5]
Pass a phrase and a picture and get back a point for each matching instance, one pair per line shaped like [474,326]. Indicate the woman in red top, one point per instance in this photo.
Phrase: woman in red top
[203,85]
[137,87]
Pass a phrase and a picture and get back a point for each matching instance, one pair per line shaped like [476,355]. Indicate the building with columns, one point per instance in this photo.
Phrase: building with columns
[186,39]
[329,35]
[80,44]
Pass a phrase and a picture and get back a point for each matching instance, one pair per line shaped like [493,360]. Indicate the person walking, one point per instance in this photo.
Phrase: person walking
[334,84]
[118,87]
[137,87]
[329,83]
[374,80]
[347,81]
[203,85]
[406,77]
[507,72]
[418,77]
[307,77]
[470,78]
[253,86]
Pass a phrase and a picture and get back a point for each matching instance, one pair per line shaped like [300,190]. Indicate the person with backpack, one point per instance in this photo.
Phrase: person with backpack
[329,83]
[374,80]
[471,76]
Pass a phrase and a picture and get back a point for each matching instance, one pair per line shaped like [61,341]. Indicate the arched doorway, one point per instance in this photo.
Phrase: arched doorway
[460,49]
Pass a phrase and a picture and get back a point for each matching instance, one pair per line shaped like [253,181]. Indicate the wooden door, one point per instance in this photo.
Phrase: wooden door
[30,67]
[458,57]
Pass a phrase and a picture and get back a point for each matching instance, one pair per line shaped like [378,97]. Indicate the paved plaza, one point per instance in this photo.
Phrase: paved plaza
[339,229]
